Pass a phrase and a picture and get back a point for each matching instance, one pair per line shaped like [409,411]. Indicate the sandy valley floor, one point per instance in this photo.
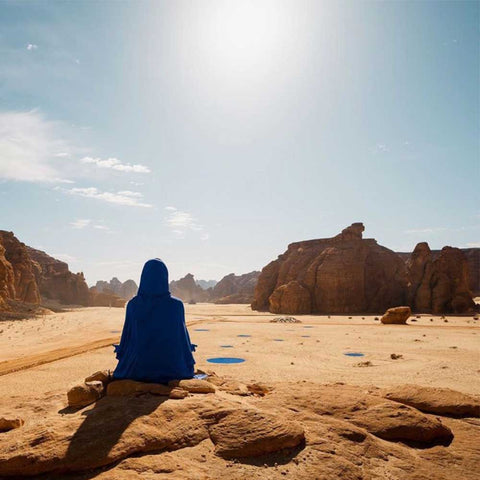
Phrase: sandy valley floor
[41,358]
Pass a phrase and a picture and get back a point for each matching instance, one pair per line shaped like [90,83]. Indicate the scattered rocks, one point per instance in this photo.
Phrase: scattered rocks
[85,394]
[439,401]
[396,316]
[367,363]
[9,423]
[259,389]
[395,356]
[286,320]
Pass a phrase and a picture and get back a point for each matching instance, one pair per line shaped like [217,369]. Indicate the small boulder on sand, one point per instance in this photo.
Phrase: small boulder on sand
[103,376]
[396,316]
[193,385]
[9,423]
[85,394]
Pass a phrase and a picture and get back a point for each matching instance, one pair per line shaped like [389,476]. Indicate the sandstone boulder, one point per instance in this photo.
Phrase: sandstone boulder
[396,316]
[85,394]
[290,298]
[439,401]
[402,423]
[10,423]
[249,433]
[132,387]
[104,376]
[193,385]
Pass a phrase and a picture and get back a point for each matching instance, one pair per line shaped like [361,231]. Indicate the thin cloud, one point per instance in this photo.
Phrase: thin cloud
[425,230]
[109,197]
[32,46]
[80,223]
[65,257]
[129,193]
[180,222]
[115,164]
[473,245]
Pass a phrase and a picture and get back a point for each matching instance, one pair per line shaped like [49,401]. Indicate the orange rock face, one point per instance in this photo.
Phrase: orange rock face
[343,274]
[235,288]
[25,287]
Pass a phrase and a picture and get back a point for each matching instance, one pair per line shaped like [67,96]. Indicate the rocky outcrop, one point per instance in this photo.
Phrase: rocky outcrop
[441,284]
[235,288]
[187,290]
[106,298]
[343,274]
[57,282]
[349,274]
[25,288]
[206,284]
[472,256]
[7,280]
[126,290]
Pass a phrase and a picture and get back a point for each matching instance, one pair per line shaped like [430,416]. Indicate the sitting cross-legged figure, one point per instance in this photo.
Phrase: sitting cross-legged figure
[155,345]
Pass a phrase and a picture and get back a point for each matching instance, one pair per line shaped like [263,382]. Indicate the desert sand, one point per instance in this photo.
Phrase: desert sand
[41,358]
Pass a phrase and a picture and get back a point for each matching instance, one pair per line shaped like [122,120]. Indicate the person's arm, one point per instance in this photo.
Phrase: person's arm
[126,333]
[192,346]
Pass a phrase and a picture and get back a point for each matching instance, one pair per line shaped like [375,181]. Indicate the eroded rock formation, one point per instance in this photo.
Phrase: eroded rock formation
[57,282]
[349,274]
[235,288]
[343,274]
[126,290]
[25,288]
[187,290]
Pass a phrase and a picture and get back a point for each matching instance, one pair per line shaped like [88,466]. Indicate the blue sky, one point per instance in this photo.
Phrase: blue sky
[213,133]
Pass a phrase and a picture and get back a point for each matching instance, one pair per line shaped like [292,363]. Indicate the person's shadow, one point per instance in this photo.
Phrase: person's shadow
[92,444]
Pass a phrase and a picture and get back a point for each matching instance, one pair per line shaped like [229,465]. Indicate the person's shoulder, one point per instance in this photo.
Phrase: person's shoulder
[177,303]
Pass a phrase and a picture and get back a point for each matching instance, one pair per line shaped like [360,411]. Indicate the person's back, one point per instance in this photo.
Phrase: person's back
[155,345]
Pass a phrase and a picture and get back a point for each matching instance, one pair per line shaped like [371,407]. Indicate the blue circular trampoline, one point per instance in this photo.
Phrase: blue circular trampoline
[278,339]
[225,360]
[354,354]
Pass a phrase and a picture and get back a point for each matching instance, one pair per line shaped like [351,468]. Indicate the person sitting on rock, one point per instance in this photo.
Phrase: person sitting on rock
[155,345]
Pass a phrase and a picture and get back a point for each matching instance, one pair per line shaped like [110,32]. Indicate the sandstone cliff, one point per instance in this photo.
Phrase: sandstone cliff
[17,271]
[56,282]
[349,274]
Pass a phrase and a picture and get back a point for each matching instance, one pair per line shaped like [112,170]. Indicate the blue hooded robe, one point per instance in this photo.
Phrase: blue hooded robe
[155,345]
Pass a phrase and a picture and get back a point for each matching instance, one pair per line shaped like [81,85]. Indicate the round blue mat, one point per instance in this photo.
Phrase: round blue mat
[278,339]
[354,354]
[202,330]
[243,335]
[226,346]
[225,360]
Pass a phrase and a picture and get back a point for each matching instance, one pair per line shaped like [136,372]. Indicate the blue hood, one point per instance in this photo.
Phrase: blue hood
[154,279]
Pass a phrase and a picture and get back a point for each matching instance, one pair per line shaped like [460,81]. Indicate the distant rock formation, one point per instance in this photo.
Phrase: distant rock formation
[349,274]
[235,288]
[105,298]
[17,274]
[56,282]
[472,256]
[125,290]
[439,285]
[206,284]
[187,290]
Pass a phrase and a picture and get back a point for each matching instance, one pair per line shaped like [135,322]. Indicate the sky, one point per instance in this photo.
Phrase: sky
[212,134]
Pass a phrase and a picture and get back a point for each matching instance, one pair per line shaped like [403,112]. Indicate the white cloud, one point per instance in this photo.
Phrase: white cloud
[101,227]
[204,236]
[109,197]
[27,145]
[180,222]
[32,46]
[380,148]
[425,230]
[129,193]
[62,154]
[115,164]
[473,245]
[80,223]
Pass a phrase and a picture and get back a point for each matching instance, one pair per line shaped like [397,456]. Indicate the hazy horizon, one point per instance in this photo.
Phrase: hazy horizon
[212,134]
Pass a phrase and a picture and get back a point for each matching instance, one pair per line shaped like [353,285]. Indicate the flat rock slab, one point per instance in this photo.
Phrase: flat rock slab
[440,401]
[248,433]
[193,385]
[399,422]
